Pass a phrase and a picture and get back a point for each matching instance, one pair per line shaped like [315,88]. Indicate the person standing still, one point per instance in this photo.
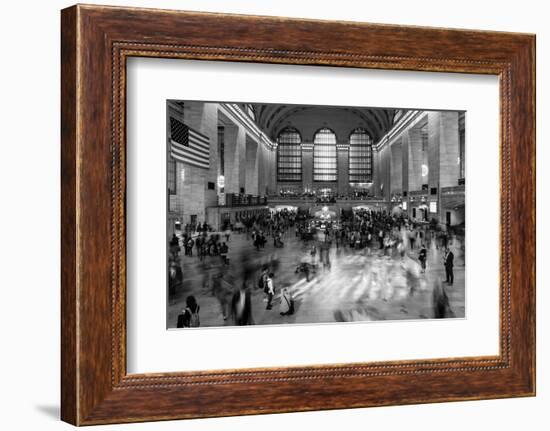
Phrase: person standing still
[422,256]
[448,261]
[269,290]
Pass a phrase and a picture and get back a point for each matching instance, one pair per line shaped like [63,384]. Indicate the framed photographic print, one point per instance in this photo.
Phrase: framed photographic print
[322,214]
[319,234]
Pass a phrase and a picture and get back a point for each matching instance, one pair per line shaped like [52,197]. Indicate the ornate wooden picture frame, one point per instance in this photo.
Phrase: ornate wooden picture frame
[96,41]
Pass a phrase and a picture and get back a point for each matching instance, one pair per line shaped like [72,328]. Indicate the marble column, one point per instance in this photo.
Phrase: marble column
[396,168]
[234,159]
[412,160]
[251,172]
[443,154]
[343,167]
[307,166]
[193,195]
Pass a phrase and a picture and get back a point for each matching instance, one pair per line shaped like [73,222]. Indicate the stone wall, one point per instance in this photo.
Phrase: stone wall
[401,163]
[248,162]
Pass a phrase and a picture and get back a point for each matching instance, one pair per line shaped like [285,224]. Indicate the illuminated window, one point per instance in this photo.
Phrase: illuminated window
[289,155]
[360,157]
[324,156]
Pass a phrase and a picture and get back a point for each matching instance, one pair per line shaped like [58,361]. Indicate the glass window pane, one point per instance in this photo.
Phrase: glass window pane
[289,155]
[360,157]
[324,156]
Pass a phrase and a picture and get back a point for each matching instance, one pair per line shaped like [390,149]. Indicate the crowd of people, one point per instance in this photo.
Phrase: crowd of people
[372,232]
[235,299]
[326,197]
[204,245]
[274,225]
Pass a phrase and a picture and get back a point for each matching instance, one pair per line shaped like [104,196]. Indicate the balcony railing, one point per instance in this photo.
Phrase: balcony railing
[453,190]
[319,200]
[241,200]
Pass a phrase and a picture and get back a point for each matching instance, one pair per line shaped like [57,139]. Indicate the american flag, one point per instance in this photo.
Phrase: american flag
[188,145]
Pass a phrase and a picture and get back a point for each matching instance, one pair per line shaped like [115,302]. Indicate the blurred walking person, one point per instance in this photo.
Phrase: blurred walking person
[440,302]
[241,306]
[313,254]
[224,250]
[287,302]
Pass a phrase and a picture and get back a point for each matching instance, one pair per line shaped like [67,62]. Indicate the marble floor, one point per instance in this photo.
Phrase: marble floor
[362,285]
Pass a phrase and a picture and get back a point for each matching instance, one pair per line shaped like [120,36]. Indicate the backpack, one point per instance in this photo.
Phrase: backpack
[194,319]
[261,283]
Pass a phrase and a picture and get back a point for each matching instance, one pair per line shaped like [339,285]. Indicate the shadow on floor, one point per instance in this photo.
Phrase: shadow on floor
[53,412]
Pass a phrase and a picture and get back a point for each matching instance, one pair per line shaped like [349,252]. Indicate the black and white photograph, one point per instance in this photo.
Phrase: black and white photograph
[275,215]
[308,214]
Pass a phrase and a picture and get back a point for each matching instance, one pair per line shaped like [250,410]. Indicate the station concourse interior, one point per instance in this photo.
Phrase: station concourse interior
[326,166]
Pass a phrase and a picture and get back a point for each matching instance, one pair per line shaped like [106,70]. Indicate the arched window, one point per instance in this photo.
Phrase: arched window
[289,155]
[324,156]
[360,157]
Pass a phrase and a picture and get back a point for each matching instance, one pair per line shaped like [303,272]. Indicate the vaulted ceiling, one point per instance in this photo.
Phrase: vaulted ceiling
[272,118]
